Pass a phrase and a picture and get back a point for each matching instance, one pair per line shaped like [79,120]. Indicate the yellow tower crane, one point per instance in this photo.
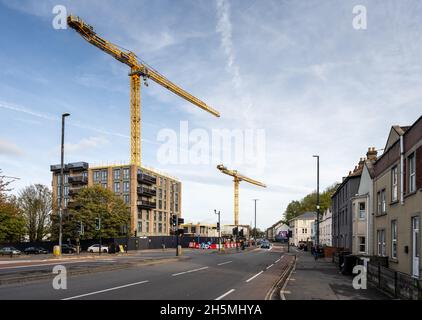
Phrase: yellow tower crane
[237,178]
[137,69]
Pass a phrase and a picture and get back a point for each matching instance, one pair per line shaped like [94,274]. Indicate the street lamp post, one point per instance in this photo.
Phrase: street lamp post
[64,115]
[318,204]
[219,229]
[255,200]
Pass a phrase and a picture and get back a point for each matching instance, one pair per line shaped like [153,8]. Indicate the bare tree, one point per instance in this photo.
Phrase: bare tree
[35,201]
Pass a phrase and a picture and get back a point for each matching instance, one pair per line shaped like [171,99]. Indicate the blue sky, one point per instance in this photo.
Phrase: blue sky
[297,69]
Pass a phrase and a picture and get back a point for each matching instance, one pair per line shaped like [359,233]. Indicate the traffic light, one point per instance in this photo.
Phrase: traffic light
[218,226]
[173,220]
[290,234]
[97,224]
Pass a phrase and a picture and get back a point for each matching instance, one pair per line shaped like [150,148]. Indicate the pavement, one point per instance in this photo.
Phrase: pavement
[322,280]
[200,275]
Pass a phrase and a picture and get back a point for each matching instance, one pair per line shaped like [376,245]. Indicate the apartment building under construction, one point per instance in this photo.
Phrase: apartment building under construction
[152,197]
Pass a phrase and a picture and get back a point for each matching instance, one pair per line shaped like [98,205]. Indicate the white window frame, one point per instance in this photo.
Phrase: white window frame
[381,242]
[383,202]
[360,216]
[394,239]
[360,244]
[394,186]
[412,172]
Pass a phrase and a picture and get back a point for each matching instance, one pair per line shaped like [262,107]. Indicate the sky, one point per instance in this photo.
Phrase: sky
[296,70]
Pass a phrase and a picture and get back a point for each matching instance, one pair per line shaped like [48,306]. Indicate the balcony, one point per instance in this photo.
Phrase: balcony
[146,179]
[147,192]
[74,191]
[72,204]
[78,166]
[78,179]
[145,204]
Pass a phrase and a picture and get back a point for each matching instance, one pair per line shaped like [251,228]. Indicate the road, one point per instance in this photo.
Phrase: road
[201,275]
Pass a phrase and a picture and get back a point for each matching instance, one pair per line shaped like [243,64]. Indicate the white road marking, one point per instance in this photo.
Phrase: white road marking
[269,266]
[250,279]
[106,290]
[277,260]
[223,263]
[226,294]
[178,274]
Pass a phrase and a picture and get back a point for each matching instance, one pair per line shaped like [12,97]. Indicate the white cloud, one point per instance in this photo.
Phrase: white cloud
[8,148]
[86,144]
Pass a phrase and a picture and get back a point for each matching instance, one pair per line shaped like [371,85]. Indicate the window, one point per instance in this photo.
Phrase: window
[362,210]
[160,204]
[381,242]
[104,175]
[394,179]
[362,244]
[126,198]
[412,173]
[104,185]
[383,202]
[139,226]
[147,230]
[160,216]
[116,174]
[116,187]
[126,173]
[160,228]
[96,176]
[126,187]
[394,239]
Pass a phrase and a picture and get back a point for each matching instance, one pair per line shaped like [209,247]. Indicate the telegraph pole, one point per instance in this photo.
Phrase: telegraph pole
[255,231]
[318,204]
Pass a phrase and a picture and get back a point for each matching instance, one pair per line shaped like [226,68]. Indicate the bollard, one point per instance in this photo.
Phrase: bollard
[179,250]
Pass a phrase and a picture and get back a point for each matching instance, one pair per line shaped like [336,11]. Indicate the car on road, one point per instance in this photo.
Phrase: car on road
[9,251]
[96,248]
[265,245]
[66,248]
[35,250]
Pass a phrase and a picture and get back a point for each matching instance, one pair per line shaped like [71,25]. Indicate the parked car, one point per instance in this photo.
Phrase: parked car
[35,250]
[9,251]
[96,248]
[66,248]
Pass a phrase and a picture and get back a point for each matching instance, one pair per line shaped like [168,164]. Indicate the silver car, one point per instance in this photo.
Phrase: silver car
[9,251]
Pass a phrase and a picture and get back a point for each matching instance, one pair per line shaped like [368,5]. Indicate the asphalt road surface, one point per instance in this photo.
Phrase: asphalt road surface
[201,275]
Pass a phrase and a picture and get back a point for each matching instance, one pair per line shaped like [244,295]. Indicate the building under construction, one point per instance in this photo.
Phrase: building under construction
[152,197]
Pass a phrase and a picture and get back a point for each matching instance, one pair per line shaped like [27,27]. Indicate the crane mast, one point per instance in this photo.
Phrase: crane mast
[137,69]
[237,177]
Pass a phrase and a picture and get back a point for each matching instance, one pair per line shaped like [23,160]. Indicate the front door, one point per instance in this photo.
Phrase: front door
[416,241]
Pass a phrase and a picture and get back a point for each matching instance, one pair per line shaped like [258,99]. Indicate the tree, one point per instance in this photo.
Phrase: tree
[35,201]
[92,203]
[308,203]
[12,224]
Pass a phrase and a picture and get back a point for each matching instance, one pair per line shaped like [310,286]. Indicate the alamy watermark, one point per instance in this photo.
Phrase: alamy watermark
[200,146]
[360,280]
[360,20]
[60,281]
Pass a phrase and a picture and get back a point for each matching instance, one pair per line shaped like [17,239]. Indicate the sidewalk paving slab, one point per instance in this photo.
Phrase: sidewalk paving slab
[321,280]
